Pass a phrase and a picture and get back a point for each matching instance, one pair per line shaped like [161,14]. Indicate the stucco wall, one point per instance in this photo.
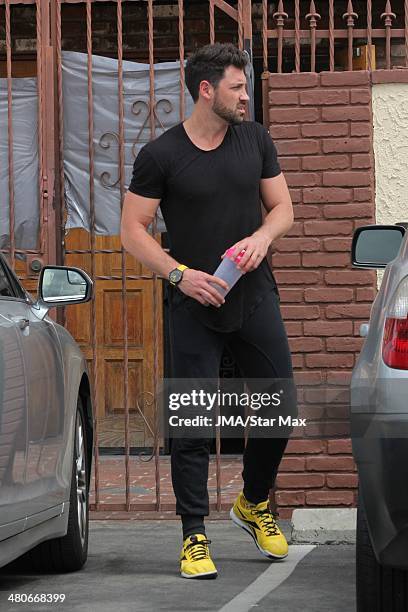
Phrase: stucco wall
[390,141]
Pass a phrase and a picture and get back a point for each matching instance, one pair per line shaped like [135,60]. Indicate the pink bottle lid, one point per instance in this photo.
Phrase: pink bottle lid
[238,257]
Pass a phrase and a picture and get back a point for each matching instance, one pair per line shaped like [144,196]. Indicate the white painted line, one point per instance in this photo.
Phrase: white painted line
[269,580]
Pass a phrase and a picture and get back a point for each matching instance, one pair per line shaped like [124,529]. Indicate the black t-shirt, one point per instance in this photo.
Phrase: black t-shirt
[209,201]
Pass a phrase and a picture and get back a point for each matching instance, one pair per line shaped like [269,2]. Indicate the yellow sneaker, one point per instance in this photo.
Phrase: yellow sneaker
[195,560]
[259,522]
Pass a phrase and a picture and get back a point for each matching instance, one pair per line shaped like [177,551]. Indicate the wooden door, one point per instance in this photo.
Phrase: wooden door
[110,344]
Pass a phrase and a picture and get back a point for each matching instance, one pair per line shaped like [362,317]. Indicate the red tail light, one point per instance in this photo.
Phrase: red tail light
[395,343]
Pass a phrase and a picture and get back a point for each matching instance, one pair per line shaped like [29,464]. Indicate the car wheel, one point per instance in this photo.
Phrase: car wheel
[70,552]
[379,589]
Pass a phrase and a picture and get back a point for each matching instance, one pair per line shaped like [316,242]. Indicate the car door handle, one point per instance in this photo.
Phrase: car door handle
[22,322]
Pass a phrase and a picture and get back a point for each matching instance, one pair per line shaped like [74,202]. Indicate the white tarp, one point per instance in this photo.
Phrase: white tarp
[25,162]
[76,152]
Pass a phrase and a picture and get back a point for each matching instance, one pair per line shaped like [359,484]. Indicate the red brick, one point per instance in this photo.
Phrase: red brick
[293,115]
[296,229]
[328,328]
[338,378]
[360,129]
[324,130]
[350,277]
[337,244]
[331,463]
[321,228]
[290,498]
[325,260]
[320,97]
[307,447]
[290,163]
[297,147]
[299,481]
[337,360]
[284,131]
[326,162]
[342,481]
[307,212]
[366,294]
[303,179]
[286,260]
[346,179]
[339,446]
[300,312]
[291,295]
[348,311]
[346,78]
[297,244]
[293,80]
[346,113]
[326,396]
[344,344]
[297,277]
[311,413]
[295,195]
[361,160]
[285,513]
[283,97]
[363,195]
[305,345]
[328,294]
[329,498]
[350,211]
[362,222]
[297,360]
[308,378]
[360,96]
[292,464]
[389,76]
[294,328]
[327,194]
[346,145]
[327,428]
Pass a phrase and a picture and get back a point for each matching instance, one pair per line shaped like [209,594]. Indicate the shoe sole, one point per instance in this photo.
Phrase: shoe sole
[241,524]
[205,576]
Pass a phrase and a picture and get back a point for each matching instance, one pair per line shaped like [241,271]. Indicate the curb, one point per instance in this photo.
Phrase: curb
[324,526]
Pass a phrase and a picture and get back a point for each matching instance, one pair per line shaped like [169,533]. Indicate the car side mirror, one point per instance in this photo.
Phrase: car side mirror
[61,286]
[374,246]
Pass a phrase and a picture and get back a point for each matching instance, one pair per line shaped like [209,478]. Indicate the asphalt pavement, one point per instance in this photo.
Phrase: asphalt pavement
[133,567]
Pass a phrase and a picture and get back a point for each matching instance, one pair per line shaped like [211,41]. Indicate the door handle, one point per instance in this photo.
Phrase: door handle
[22,322]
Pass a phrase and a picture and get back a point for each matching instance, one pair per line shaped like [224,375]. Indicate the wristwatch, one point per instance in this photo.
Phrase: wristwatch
[176,275]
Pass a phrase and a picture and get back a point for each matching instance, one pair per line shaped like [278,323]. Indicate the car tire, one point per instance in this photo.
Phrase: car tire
[69,553]
[378,588]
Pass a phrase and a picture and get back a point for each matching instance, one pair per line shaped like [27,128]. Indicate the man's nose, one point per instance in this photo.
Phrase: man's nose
[244,96]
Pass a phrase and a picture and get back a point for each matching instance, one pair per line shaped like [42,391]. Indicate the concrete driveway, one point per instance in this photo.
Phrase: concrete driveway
[132,566]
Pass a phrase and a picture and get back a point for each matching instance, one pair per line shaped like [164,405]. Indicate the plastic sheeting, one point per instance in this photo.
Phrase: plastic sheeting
[106,130]
[25,161]
[76,152]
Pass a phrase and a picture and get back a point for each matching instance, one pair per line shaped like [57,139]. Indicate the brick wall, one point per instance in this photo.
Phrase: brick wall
[321,125]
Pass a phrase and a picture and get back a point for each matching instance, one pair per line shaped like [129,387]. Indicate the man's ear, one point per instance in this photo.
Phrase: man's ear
[206,89]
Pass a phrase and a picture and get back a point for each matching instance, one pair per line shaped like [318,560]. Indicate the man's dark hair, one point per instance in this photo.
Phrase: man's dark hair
[209,64]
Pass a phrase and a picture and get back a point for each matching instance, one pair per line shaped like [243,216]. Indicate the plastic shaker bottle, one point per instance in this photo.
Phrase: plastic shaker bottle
[228,271]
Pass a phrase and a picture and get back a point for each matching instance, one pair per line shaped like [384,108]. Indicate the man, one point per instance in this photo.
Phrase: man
[208,174]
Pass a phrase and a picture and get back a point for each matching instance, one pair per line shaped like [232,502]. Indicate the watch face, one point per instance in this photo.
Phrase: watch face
[175,276]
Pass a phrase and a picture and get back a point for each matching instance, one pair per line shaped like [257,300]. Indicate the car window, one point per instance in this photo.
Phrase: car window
[6,287]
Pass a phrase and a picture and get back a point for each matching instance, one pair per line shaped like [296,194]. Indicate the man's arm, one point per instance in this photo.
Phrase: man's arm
[137,214]
[277,201]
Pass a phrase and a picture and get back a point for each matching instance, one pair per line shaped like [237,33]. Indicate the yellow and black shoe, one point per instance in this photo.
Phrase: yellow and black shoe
[259,522]
[195,560]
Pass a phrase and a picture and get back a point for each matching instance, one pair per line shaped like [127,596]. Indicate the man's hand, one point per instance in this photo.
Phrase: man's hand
[196,284]
[255,247]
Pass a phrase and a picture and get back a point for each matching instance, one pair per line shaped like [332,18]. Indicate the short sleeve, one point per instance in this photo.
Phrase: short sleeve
[270,166]
[147,179]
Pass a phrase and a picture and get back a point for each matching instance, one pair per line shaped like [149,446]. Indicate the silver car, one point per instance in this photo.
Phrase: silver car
[46,424]
[379,424]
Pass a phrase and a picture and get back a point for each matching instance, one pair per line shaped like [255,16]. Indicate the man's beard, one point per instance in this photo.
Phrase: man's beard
[230,116]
